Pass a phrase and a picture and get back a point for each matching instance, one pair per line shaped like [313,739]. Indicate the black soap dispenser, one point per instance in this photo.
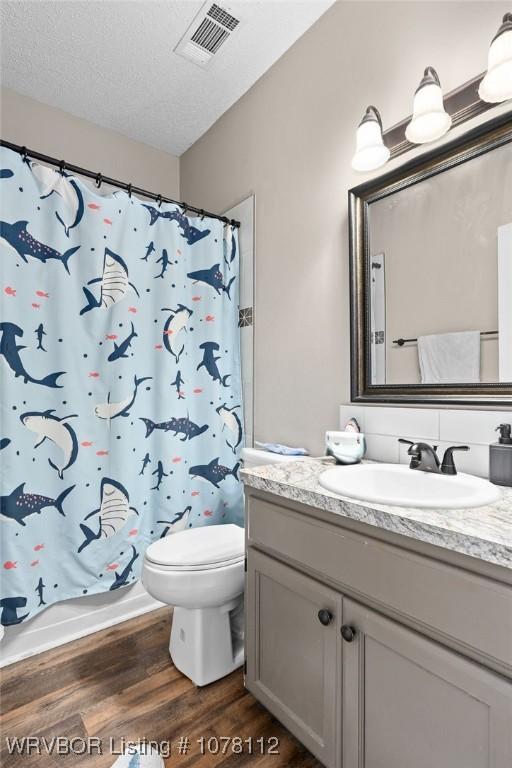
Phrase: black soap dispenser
[500,457]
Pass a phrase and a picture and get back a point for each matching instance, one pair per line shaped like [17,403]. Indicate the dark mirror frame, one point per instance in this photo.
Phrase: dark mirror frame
[484,138]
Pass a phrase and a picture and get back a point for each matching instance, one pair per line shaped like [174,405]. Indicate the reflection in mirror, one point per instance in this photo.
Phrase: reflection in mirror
[440,271]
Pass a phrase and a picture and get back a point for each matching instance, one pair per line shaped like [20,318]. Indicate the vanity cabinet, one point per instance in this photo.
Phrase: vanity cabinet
[293,650]
[411,703]
[374,656]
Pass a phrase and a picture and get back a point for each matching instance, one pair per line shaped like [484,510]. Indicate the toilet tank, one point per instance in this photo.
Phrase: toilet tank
[253,457]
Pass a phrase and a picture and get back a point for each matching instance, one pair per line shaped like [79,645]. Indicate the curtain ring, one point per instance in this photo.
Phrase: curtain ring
[201,213]
[24,154]
[98,180]
[129,189]
[62,167]
[225,220]
[233,224]
[159,201]
[184,208]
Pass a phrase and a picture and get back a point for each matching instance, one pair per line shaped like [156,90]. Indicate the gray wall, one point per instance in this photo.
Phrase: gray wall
[60,134]
[290,140]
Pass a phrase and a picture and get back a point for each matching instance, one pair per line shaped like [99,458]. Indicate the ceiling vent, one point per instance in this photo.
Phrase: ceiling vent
[208,32]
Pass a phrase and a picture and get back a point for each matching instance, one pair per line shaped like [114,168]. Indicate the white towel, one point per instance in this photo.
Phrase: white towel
[450,358]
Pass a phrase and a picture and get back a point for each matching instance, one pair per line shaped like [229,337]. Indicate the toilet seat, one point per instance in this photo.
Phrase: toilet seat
[198,549]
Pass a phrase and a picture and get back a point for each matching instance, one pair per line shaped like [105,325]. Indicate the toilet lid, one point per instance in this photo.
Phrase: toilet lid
[209,545]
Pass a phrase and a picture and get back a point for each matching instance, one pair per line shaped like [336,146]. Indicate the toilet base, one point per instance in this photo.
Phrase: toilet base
[208,643]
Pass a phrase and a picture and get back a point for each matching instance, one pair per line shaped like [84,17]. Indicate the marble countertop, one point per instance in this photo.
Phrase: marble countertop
[483,532]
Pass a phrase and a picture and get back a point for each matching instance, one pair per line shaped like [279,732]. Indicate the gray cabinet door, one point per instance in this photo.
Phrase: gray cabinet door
[411,703]
[293,660]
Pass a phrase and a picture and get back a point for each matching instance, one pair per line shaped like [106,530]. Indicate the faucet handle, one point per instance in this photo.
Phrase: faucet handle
[448,465]
[404,441]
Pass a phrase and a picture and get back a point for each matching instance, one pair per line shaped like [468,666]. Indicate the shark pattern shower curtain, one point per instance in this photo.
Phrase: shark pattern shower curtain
[121,413]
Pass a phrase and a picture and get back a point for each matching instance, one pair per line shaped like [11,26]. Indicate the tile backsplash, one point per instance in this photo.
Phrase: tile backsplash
[442,427]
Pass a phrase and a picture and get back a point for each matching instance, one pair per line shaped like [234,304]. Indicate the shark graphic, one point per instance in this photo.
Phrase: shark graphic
[232,421]
[39,589]
[114,283]
[177,524]
[145,461]
[10,351]
[17,238]
[66,188]
[178,381]
[190,233]
[212,277]
[4,442]
[9,606]
[19,505]
[6,173]
[114,510]
[149,250]
[121,579]
[110,410]
[55,429]
[40,332]
[184,426]
[232,254]
[121,349]
[214,472]
[164,260]
[176,322]
[209,362]
[160,474]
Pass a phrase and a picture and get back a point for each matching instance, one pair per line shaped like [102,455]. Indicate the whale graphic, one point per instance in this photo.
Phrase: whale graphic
[160,474]
[121,349]
[177,524]
[189,232]
[114,510]
[19,505]
[122,578]
[39,589]
[55,429]
[231,420]
[9,606]
[232,254]
[17,238]
[110,410]
[114,283]
[149,250]
[6,173]
[209,362]
[178,381]
[179,426]
[66,188]
[175,323]
[214,472]
[10,351]
[212,277]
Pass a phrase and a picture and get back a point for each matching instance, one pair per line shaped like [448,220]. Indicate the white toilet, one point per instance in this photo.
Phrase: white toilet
[200,571]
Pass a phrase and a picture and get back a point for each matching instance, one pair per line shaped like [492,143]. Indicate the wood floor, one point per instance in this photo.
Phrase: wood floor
[120,683]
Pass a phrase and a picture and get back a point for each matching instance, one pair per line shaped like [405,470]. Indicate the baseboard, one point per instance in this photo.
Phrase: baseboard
[72,620]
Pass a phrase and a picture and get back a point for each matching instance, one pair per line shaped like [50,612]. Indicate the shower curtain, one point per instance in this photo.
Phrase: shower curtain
[121,412]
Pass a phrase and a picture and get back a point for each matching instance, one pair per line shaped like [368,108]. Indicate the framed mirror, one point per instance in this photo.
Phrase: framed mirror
[431,276]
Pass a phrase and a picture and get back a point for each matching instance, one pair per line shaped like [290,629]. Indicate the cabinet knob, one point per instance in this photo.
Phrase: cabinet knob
[348,633]
[324,617]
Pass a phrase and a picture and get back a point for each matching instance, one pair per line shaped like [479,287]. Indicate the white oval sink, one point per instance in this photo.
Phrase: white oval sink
[397,485]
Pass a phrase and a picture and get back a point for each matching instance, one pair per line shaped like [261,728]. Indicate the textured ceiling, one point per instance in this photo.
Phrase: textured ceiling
[112,61]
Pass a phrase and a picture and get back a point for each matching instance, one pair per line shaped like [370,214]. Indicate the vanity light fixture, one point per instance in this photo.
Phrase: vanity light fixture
[430,120]
[497,83]
[371,152]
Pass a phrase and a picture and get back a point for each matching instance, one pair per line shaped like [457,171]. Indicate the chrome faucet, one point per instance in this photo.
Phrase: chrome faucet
[424,457]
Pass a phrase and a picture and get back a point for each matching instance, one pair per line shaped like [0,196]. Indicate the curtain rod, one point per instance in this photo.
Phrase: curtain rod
[100,179]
